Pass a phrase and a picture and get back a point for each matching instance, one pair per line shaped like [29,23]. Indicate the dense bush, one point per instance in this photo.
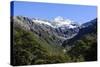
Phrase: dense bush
[28,48]
[86,47]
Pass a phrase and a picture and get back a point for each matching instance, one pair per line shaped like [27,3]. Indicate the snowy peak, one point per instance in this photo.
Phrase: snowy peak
[62,31]
[61,22]
[57,22]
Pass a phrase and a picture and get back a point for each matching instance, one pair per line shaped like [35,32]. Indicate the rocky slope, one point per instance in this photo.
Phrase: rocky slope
[53,32]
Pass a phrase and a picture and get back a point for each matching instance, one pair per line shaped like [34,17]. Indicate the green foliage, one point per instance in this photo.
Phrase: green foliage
[28,48]
[85,48]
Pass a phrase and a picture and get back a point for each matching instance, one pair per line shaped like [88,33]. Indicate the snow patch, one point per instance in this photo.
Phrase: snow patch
[57,22]
[42,22]
[60,21]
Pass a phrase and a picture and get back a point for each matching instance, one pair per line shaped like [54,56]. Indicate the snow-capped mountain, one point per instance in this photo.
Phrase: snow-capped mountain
[57,30]
[61,22]
[57,22]
[65,27]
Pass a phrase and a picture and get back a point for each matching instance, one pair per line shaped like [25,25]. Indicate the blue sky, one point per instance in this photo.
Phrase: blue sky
[78,13]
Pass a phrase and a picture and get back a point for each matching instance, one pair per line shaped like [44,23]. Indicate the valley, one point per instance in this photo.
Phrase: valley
[61,40]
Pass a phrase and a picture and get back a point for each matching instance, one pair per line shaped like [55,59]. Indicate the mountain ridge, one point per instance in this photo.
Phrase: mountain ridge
[43,28]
